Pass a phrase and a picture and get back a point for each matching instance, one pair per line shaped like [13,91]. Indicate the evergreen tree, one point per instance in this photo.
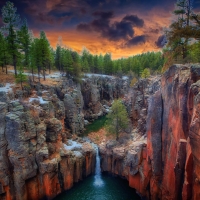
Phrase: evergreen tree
[69,68]
[4,56]
[84,59]
[21,77]
[91,63]
[100,64]
[44,52]
[37,56]
[58,58]
[11,22]
[145,73]
[24,39]
[117,119]
[77,72]
[33,59]
[51,59]
[181,31]
[85,65]
[108,63]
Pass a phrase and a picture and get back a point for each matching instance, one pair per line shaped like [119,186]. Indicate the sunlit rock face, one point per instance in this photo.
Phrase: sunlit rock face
[36,159]
[164,153]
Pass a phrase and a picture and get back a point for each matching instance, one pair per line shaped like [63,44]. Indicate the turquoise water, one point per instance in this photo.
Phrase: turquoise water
[111,188]
[95,126]
[99,186]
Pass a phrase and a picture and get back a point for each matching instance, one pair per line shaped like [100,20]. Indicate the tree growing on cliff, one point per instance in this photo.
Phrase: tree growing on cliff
[117,119]
[181,32]
[145,73]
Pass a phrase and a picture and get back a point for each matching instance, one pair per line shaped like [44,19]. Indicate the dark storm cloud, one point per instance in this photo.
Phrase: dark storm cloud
[119,30]
[103,15]
[123,29]
[141,39]
[71,12]
[161,41]
[84,27]
[135,20]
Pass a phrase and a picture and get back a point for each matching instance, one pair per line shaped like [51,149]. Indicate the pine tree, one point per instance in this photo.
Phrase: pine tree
[84,60]
[117,119]
[91,62]
[77,72]
[145,73]
[181,30]
[24,38]
[85,65]
[100,64]
[11,22]
[33,59]
[21,77]
[51,59]
[37,56]
[108,63]
[4,56]
[69,68]
[58,58]
[44,52]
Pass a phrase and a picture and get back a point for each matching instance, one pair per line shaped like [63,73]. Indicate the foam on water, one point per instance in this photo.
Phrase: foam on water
[97,178]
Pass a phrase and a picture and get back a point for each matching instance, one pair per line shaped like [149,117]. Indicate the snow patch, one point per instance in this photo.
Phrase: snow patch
[125,77]
[52,75]
[6,88]
[72,145]
[40,99]
[98,75]
[77,154]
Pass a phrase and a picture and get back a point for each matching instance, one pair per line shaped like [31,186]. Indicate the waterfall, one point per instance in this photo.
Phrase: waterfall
[97,178]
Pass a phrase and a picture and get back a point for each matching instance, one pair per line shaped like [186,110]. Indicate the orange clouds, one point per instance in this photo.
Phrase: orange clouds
[154,21]
[94,43]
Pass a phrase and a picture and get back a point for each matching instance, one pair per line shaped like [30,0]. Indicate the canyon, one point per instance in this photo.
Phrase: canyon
[41,155]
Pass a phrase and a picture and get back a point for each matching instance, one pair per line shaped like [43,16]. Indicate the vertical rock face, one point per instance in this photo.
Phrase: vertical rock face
[34,161]
[99,92]
[167,166]
[161,160]
[74,111]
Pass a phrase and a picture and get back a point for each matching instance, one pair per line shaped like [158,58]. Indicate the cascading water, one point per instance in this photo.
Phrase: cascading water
[99,186]
[97,178]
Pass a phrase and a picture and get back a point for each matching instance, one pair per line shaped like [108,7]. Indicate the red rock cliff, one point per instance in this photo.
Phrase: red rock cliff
[36,160]
[162,160]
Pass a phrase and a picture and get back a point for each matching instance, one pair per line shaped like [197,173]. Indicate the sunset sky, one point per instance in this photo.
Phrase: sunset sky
[120,27]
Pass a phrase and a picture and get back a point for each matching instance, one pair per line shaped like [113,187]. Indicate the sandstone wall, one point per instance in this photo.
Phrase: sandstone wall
[162,159]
